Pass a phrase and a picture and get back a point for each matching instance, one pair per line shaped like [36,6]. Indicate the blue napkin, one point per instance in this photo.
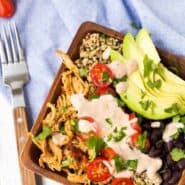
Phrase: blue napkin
[49,25]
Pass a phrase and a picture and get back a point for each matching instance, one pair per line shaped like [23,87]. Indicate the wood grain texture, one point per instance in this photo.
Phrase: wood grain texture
[27,177]
[31,154]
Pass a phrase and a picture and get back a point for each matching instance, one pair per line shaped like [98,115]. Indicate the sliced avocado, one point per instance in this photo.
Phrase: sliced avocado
[149,106]
[116,56]
[161,98]
[145,43]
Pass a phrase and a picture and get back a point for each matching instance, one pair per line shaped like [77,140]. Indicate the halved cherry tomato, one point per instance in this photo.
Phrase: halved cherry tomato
[105,90]
[97,171]
[134,141]
[101,75]
[135,125]
[122,181]
[87,118]
[7,8]
[108,153]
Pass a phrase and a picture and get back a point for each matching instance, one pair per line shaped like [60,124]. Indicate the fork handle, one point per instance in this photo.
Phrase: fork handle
[28,178]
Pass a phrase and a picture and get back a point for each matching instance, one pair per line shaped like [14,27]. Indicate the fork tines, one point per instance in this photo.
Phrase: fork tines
[10,34]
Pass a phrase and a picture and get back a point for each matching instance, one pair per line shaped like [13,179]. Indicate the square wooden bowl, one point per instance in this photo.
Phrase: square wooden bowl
[31,153]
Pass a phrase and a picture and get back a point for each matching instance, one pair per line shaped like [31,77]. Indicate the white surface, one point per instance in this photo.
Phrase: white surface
[9,169]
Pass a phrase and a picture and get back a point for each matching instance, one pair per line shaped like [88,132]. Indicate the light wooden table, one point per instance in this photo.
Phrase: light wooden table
[9,169]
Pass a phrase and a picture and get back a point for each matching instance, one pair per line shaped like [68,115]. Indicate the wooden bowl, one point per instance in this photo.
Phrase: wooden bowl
[31,153]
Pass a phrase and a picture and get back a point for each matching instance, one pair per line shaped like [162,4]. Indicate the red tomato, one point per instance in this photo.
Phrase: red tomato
[135,125]
[105,90]
[97,75]
[108,153]
[97,171]
[122,181]
[87,118]
[7,8]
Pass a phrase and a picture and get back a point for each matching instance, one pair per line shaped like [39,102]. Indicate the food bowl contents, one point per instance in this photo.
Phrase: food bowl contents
[119,118]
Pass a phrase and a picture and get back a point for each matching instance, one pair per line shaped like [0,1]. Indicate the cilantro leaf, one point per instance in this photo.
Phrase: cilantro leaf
[109,121]
[74,123]
[173,108]
[94,96]
[105,76]
[147,104]
[118,135]
[62,130]
[67,162]
[141,141]
[177,154]
[43,135]
[83,71]
[95,144]
[148,66]
[122,164]
[120,102]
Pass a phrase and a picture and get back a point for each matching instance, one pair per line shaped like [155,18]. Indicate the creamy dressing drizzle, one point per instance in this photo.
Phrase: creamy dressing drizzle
[121,69]
[170,130]
[106,107]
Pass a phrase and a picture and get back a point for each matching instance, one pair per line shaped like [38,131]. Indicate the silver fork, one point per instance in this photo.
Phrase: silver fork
[15,75]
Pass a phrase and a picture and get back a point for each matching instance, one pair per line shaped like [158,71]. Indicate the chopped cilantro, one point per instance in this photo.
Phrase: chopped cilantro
[122,79]
[62,130]
[67,162]
[177,154]
[176,118]
[134,25]
[105,76]
[75,125]
[109,121]
[64,109]
[147,104]
[143,94]
[43,135]
[119,134]
[83,71]
[141,142]
[94,96]
[122,164]
[173,108]
[95,145]
[148,66]
[156,84]
[120,102]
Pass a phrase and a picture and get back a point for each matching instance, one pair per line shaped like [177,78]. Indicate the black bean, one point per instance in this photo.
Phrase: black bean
[155,135]
[181,164]
[175,177]
[159,145]
[154,152]
[167,175]
[169,146]
[169,160]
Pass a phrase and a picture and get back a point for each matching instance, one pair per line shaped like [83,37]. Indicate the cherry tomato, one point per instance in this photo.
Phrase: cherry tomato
[87,118]
[105,90]
[134,141]
[7,8]
[108,153]
[97,171]
[101,75]
[122,181]
[135,125]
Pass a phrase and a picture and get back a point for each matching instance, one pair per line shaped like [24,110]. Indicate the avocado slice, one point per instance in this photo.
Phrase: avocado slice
[169,96]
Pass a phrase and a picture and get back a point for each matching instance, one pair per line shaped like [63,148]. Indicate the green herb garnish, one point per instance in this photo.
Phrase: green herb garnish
[118,135]
[120,102]
[141,142]
[146,104]
[122,164]
[64,109]
[83,71]
[95,145]
[105,76]
[67,162]
[177,154]
[44,134]
[148,66]
[74,123]
[109,121]
[94,96]
[122,79]
[173,108]
[62,130]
